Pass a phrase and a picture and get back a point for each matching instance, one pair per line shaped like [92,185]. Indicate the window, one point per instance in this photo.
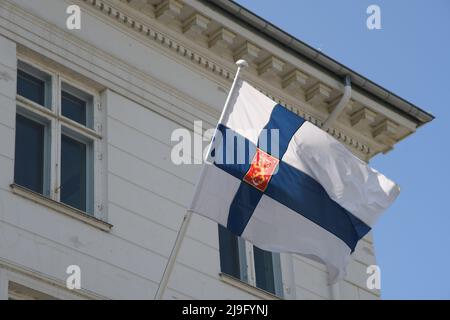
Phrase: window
[73,172]
[34,85]
[250,264]
[231,254]
[76,105]
[31,87]
[29,154]
[56,140]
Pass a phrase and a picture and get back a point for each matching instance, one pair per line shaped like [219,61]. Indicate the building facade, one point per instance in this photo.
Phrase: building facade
[87,185]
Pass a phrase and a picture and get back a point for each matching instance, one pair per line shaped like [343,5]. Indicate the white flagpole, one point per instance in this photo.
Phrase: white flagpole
[187,217]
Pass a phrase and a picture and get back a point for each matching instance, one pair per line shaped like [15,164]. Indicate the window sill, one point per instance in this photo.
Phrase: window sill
[60,207]
[262,294]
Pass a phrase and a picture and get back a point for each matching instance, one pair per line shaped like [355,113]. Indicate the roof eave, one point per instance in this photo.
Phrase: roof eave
[324,62]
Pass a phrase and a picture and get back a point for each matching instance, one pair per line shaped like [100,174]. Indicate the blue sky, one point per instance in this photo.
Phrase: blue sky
[410,56]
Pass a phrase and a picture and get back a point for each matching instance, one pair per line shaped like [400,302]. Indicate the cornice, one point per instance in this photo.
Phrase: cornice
[314,107]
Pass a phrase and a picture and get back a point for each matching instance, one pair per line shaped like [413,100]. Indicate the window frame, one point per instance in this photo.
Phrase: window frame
[57,124]
[81,94]
[247,267]
[89,165]
[40,74]
[250,267]
[37,118]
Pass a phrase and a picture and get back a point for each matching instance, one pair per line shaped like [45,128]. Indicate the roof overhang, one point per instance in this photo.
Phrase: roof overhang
[320,60]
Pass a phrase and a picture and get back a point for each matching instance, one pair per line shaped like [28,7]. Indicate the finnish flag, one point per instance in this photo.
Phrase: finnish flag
[285,185]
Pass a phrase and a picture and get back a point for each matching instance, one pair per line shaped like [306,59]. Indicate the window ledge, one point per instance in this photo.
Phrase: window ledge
[61,207]
[262,294]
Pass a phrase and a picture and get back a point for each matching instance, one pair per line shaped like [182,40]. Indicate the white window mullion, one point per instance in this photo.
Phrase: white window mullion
[56,140]
[91,163]
[97,110]
[55,94]
[98,158]
[57,160]
[250,264]
[277,274]
[287,274]
[97,163]
[242,249]
[48,143]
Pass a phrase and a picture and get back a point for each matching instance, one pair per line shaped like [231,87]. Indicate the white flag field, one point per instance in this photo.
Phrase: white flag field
[286,185]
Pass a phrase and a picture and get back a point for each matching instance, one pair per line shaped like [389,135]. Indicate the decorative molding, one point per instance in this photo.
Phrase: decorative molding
[143,6]
[385,132]
[195,25]
[363,119]
[271,68]
[246,50]
[167,11]
[294,81]
[318,94]
[221,40]
[348,108]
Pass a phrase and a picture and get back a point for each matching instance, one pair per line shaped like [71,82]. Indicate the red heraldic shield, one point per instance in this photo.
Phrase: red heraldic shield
[261,169]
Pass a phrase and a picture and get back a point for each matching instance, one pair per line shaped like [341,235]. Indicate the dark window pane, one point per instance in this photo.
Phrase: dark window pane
[31,87]
[29,154]
[264,269]
[229,253]
[73,108]
[73,173]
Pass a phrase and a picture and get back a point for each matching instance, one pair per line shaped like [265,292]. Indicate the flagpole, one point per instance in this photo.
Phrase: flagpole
[187,217]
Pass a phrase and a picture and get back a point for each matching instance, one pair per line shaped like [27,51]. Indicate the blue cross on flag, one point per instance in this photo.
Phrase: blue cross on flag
[285,185]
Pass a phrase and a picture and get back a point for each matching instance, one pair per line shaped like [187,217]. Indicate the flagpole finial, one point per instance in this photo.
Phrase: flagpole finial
[242,63]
